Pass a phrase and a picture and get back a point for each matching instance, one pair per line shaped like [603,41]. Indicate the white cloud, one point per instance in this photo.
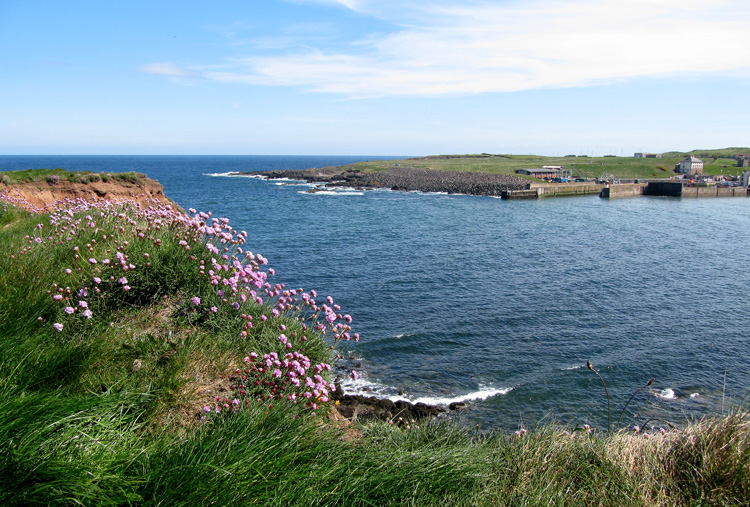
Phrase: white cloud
[475,47]
[166,69]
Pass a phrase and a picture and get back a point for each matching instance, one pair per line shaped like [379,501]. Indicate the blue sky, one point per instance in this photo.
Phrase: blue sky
[373,77]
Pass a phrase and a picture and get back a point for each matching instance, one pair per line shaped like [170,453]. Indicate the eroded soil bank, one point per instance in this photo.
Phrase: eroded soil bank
[42,194]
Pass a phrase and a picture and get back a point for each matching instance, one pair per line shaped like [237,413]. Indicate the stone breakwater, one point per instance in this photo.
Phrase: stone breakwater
[407,179]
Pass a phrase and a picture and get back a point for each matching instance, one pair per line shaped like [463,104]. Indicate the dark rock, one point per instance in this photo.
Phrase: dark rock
[358,407]
[407,179]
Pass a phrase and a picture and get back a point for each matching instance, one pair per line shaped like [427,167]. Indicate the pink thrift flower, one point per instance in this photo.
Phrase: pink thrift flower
[123,280]
[58,326]
[69,310]
[92,260]
[87,313]
[196,300]
[57,297]
[97,280]
[83,304]
[214,309]
[355,375]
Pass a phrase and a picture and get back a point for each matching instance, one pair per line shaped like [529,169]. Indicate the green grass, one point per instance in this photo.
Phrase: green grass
[717,162]
[44,175]
[107,411]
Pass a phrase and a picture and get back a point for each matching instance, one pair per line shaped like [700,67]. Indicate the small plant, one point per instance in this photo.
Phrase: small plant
[609,406]
[53,179]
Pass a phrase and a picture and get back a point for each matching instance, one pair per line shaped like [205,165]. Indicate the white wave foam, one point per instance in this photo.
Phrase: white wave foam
[667,394]
[694,395]
[482,394]
[233,174]
[364,387]
[572,367]
[329,192]
[282,179]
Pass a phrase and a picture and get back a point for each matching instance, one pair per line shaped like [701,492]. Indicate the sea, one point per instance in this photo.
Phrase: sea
[498,304]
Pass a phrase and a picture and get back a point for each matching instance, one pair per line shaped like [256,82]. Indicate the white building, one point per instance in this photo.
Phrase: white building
[690,165]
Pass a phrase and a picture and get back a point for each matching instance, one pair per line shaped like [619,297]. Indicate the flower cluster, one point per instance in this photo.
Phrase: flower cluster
[112,246]
[270,378]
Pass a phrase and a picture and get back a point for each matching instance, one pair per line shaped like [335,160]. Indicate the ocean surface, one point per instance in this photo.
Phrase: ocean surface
[498,303]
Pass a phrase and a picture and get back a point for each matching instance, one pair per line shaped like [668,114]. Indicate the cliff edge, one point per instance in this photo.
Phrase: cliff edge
[43,194]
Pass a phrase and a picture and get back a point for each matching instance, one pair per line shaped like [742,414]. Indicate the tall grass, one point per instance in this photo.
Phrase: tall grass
[134,404]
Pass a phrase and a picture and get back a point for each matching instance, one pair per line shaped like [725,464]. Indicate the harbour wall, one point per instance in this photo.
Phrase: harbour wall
[619,190]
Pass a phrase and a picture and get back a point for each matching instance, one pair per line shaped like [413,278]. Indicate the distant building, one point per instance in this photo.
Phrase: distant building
[647,155]
[691,165]
[544,173]
[745,179]
[743,160]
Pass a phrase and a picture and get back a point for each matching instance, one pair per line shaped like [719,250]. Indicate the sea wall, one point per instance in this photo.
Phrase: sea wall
[714,191]
[567,189]
[670,189]
[623,190]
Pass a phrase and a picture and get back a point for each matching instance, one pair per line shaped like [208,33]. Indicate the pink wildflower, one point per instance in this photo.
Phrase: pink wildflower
[355,375]
[69,310]
[58,326]
[196,300]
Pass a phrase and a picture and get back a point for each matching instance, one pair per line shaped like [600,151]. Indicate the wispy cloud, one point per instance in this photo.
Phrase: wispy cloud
[471,47]
[166,69]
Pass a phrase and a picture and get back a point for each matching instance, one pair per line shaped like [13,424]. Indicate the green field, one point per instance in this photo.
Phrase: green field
[717,162]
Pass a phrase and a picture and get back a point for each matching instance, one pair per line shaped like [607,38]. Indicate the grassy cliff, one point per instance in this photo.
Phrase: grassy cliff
[148,357]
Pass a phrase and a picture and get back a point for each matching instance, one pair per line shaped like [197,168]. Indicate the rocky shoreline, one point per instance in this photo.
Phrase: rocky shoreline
[405,179]
[363,408]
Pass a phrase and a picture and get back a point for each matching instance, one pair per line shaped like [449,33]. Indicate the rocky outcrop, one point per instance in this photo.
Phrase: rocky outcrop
[363,408]
[408,179]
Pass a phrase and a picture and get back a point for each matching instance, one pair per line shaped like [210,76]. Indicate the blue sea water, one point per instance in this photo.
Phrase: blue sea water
[498,303]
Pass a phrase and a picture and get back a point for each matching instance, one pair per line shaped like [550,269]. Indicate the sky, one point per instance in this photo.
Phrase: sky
[373,77]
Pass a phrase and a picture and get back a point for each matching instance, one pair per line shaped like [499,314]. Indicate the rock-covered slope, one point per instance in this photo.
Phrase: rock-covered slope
[409,179]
